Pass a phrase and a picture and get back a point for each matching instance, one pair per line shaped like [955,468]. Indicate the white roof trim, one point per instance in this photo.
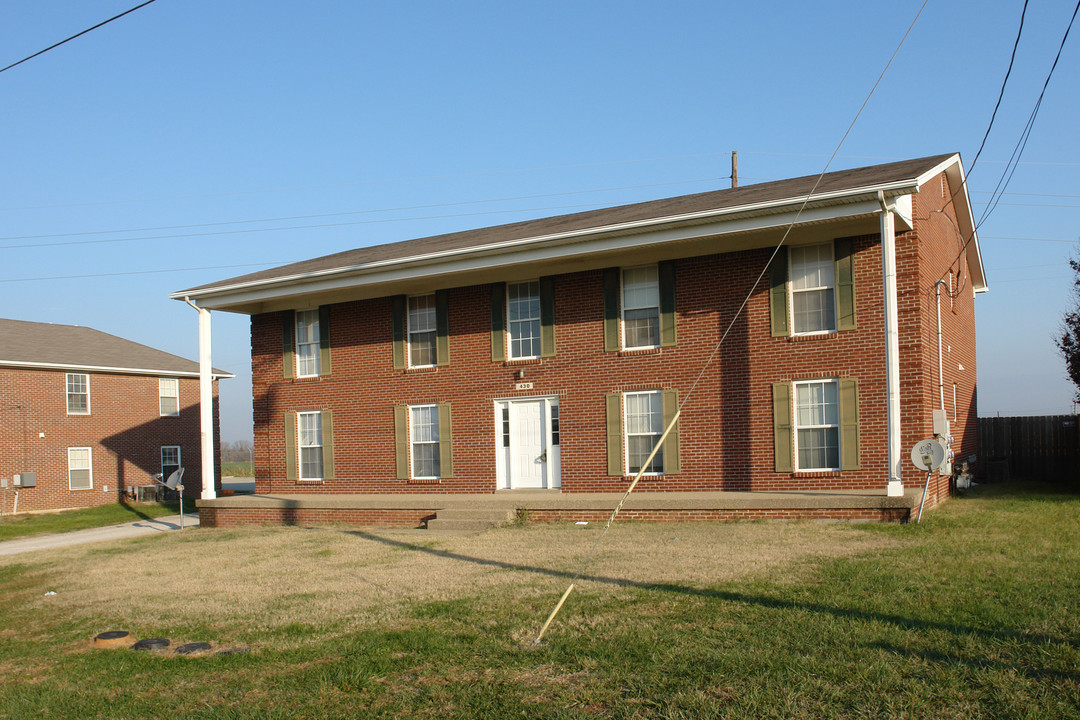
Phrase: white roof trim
[107,369]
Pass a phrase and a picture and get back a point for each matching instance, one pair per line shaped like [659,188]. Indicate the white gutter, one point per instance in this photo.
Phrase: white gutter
[892,189]
[206,405]
[892,347]
[106,369]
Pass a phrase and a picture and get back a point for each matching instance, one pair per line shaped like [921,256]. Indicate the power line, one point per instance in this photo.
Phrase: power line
[56,45]
[143,272]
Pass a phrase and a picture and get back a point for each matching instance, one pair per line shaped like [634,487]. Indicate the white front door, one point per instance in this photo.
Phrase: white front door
[528,445]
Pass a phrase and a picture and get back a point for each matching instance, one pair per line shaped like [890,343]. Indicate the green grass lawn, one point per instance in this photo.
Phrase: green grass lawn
[237,469]
[17,526]
[970,614]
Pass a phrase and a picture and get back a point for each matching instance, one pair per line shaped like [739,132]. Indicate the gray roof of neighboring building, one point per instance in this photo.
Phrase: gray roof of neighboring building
[35,344]
[794,189]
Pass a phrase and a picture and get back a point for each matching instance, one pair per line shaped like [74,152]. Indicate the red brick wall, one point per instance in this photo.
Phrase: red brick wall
[124,430]
[726,426]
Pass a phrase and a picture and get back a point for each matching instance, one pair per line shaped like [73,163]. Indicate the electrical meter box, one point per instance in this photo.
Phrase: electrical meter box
[25,480]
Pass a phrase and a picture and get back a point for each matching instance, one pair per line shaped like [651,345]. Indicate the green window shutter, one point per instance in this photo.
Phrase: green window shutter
[288,344]
[666,275]
[446,442]
[397,312]
[782,437]
[401,441]
[442,328]
[498,322]
[778,294]
[327,444]
[290,446]
[845,284]
[614,434]
[611,311]
[324,340]
[672,462]
[547,316]
[849,424]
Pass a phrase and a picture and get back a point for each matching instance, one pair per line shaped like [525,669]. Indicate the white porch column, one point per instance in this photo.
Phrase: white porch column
[892,346]
[206,404]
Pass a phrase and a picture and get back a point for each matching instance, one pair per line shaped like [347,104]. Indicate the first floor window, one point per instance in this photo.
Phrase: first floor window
[641,308]
[813,289]
[422,331]
[307,343]
[817,425]
[170,460]
[309,429]
[169,396]
[644,424]
[78,394]
[80,468]
[424,440]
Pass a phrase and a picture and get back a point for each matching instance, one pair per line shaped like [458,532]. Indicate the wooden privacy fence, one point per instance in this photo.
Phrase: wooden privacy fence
[1045,448]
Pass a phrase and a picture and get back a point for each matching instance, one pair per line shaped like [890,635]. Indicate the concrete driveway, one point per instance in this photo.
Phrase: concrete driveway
[101,534]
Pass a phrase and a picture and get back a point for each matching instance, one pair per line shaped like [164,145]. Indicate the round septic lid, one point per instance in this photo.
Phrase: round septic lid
[194,647]
[151,644]
[113,638]
[928,454]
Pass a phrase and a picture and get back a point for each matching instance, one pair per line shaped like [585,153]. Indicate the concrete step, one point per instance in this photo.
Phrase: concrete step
[469,519]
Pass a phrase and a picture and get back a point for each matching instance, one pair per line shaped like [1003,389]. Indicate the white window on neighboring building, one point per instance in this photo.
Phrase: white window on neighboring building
[813,289]
[817,425]
[307,343]
[169,396]
[422,330]
[78,394]
[80,468]
[644,423]
[523,319]
[170,460]
[424,440]
[309,431]
[640,308]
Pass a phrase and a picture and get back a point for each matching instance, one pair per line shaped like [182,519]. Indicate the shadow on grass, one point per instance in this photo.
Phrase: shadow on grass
[976,664]
[745,598]
[135,511]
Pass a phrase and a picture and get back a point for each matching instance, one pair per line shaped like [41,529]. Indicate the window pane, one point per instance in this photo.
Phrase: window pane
[170,456]
[813,310]
[311,463]
[422,313]
[817,417]
[640,288]
[641,328]
[307,343]
[426,460]
[639,448]
[424,432]
[813,285]
[523,318]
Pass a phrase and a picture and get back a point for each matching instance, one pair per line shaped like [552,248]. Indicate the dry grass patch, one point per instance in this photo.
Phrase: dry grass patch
[340,580]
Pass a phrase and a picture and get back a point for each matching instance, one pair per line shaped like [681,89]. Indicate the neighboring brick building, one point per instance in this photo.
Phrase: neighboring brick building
[93,416]
[550,354]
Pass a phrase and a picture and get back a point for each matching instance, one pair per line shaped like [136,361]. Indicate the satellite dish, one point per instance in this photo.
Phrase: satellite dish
[174,479]
[927,455]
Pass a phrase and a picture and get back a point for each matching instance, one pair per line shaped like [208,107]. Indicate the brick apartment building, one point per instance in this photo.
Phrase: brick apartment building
[92,416]
[550,354]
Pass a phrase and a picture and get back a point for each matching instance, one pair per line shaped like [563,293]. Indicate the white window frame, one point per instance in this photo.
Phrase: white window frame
[69,394]
[531,301]
[89,468]
[410,330]
[301,446]
[178,464]
[656,396]
[829,287]
[308,335]
[625,306]
[431,440]
[799,426]
[164,394]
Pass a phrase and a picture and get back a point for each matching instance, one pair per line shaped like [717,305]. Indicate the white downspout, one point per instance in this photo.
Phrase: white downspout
[940,366]
[206,404]
[892,345]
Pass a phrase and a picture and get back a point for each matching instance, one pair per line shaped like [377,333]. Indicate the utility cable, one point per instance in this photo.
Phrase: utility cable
[90,29]
[716,348]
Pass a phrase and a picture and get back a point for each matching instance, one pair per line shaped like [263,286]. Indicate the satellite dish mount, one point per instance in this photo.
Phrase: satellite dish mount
[927,455]
[173,483]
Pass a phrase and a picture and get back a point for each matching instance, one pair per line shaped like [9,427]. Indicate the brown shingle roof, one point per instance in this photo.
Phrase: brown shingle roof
[762,193]
[72,346]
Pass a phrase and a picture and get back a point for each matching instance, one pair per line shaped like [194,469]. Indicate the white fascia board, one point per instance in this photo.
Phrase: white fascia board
[779,212]
[106,369]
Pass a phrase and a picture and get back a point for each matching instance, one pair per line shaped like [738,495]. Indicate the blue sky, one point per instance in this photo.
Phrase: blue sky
[196,127]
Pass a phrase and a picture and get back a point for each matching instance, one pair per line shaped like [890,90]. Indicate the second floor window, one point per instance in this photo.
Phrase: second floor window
[78,394]
[641,308]
[523,319]
[307,343]
[813,284]
[422,331]
[169,396]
